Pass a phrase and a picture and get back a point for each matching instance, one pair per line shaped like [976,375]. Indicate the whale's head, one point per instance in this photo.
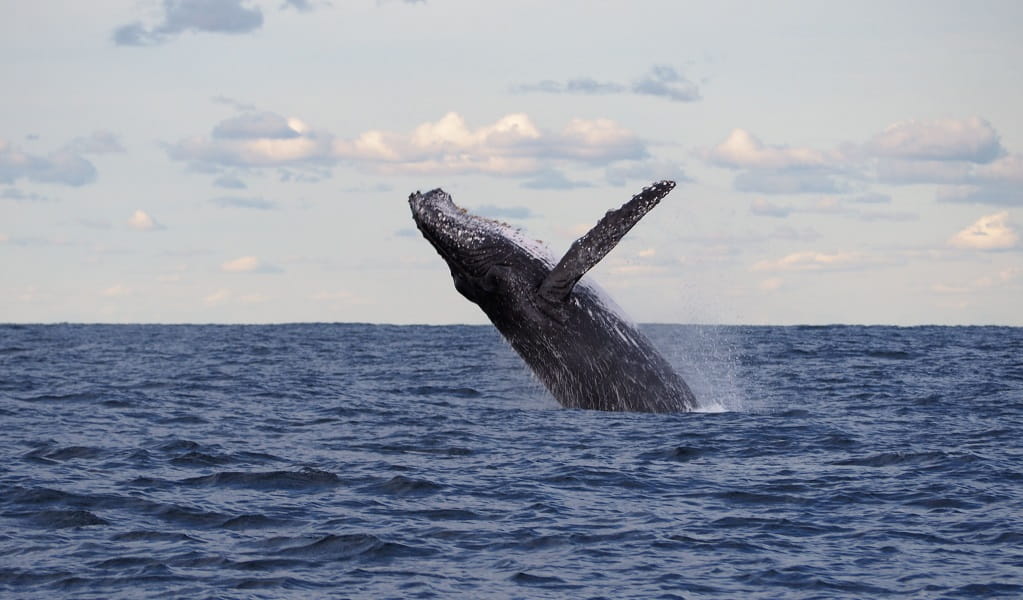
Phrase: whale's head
[485,256]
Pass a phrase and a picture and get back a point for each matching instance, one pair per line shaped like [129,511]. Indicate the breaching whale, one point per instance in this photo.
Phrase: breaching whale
[577,343]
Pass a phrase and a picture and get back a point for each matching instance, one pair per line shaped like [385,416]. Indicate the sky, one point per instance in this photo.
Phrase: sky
[249,161]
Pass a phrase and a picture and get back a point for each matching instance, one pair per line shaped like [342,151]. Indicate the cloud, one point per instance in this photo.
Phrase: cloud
[788,182]
[833,206]
[256,125]
[64,166]
[990,232]
[1002,278]
[871,198]
[22,196]
[141,221]
[645,171]
[248,264]
[662,81]
[218,297]
[763,208]
[666,82]
[972,139]
[179,16]
[253,202]
[964,156]
[903,172]
[582,85]
[116,290]
[229,182]
[255,140]
[513,145]
[303,5]
[742,150]
[816,261]
[99,142]
[999,183]
[552,179]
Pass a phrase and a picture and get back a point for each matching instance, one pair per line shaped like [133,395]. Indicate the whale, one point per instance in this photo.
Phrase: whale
[578,343]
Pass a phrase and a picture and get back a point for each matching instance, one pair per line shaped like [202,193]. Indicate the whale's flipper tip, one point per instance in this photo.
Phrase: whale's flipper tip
[588,250]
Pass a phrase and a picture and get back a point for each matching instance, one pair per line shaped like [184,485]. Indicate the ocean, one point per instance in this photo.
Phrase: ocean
[373,461]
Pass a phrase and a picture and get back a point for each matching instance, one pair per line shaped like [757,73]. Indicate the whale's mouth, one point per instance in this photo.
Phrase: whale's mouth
[465,241]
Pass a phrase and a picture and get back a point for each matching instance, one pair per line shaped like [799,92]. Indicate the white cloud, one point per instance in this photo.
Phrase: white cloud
[772,284]
[141,221]
[990,232]
[256,140]
[742,150]
[972,139]
[117,290]
[4,238]
[513,145]
[248,264]
[218,297]
[816,261]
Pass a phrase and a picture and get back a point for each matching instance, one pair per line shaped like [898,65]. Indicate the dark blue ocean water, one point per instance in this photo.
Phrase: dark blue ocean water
[369,461]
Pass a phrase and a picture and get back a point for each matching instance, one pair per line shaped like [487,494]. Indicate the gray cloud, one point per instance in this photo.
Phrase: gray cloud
[99,142]
[251,202]
[584,85]
[553,180]
[662,81]
[255,140]
[972,140]
[255,125]
[179,16]
[20,196]
[763,208]
[304,5]
[666,82]
[871,198]
[833,206]
[229,182]
[795,181]
[645,171]
[996,194]
[236,104]
[902,171]
[63,166]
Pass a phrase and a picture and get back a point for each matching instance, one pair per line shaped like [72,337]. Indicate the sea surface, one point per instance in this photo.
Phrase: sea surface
[368,461]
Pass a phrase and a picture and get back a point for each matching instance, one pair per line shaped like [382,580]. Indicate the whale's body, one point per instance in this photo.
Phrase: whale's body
[577,343]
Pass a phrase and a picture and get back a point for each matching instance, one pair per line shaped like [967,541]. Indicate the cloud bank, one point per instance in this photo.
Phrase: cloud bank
[512,146]
[964,156]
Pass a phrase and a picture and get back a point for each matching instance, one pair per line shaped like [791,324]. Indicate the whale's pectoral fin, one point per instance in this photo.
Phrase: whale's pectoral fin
[588,250]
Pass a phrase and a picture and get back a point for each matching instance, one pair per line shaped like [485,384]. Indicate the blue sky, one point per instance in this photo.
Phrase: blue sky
[246,161]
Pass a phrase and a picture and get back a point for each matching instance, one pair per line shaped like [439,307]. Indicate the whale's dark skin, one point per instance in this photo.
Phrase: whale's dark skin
[577,344]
